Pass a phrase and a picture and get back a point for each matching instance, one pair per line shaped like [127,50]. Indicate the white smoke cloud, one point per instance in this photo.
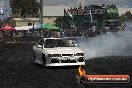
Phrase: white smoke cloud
[108,45]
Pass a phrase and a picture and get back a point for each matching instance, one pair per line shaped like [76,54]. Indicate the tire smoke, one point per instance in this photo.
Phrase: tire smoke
[119,44]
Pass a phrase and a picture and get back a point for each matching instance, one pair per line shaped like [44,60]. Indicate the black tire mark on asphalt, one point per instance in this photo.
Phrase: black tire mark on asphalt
[9,54]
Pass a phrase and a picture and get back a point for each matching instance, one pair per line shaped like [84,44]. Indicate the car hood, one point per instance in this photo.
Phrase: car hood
[63,50]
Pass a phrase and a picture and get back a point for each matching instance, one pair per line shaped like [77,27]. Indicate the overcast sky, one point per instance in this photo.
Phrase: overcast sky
[119,3]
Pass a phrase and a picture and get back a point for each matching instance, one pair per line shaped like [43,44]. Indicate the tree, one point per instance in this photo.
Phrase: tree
[128,14]
[126,17]
[63,22]
[25,7]
[123,18]
[59,22]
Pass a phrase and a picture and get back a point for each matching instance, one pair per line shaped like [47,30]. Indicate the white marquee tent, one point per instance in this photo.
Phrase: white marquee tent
[24,28]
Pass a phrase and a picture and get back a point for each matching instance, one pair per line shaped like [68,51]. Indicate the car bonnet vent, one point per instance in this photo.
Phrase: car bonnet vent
[67,54]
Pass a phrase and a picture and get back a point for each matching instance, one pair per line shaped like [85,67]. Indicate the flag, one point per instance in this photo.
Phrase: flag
[91,14]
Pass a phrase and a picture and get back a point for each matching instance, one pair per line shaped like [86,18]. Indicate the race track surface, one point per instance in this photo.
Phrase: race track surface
[18,71]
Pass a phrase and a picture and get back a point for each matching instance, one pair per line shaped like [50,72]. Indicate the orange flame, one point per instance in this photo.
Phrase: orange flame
[81,71]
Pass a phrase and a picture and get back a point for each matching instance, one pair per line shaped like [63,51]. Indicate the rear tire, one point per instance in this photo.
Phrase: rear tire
[34,56]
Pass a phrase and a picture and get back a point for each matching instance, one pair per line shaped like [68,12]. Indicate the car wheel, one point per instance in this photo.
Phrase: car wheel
[34,56]
[44,59]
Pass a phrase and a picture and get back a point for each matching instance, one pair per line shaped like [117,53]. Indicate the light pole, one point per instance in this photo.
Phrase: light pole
[41,13]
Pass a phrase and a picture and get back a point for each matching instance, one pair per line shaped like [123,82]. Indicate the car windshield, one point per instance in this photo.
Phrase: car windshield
[51,43]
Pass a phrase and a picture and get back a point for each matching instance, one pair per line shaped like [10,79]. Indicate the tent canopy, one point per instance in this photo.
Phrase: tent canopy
[38,26]
[50,26]
[47,26]
[23,28]
[7,27]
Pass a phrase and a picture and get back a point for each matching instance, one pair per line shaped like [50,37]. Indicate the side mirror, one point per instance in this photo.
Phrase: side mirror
[39,46]
[76,45]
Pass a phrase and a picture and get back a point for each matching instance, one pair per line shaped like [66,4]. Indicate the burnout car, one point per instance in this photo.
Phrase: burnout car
[57,52]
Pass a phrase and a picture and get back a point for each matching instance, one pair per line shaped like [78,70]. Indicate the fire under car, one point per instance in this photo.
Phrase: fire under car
[57,52]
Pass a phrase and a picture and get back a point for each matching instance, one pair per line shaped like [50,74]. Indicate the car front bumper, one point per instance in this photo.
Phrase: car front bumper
[66,64]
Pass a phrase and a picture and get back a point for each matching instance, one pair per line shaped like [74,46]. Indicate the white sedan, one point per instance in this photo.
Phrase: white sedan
[57,52]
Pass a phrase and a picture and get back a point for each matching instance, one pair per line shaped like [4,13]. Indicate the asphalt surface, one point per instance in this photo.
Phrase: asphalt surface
[18,71]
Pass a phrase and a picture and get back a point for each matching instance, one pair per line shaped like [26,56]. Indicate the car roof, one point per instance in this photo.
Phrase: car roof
[54,38]
[60,38]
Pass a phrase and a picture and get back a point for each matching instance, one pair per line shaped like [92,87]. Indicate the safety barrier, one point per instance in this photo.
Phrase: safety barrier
[33,39]
[19,39]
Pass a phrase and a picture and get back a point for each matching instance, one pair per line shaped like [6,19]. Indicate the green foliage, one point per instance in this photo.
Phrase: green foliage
[112,11]
[59,21]
[63,22]
[126,17]
[25,7]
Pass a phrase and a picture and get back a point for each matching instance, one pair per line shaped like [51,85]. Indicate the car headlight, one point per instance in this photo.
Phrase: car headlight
[54,55]
[79,54]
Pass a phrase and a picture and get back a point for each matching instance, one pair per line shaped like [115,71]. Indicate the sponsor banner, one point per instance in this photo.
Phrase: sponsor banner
[106,78]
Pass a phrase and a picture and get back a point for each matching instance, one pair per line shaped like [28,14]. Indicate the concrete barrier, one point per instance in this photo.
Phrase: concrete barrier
[19,39]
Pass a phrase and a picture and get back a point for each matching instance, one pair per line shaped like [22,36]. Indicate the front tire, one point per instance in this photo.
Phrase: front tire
[44,59]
